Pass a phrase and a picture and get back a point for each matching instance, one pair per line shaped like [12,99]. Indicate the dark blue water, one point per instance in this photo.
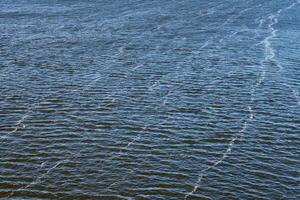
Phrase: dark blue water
[149,100]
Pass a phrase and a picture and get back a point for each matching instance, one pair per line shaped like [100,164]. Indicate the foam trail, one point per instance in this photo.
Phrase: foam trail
[31,110]
[225,154]
[209,11]
[20,124]
[270,54]
[124,178]
[240,31]
[240,14]
[140,135]
[229,20]
[36,181]
[205,44]
[269,50]
[126,147]
[144,128]
[137,67]
[61,162]
[240,133]
[133,141]
[36,105]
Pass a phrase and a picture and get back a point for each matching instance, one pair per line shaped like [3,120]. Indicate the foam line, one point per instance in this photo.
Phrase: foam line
[39,179]
[224,156]
[133,141]
[20,124]
[138,137]
[35,181]
[269,54]
[126,147]
[227,21]
[61,162]
[145,127]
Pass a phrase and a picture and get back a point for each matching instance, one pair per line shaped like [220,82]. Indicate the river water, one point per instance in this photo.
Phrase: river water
[183,99]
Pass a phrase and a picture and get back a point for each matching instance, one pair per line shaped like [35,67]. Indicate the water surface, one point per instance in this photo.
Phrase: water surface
[151,100]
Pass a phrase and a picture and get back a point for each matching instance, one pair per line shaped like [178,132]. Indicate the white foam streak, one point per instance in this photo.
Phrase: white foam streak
[224,156]
[137,67]
[273,19]
[127,146]
[58,163]
[209,11]
[20,124]
[138,137]
[31,110]
[133,141]
[270,53]
[205,44]
[34,182]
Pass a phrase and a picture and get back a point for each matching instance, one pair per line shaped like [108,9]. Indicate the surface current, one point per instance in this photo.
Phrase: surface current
[153,99]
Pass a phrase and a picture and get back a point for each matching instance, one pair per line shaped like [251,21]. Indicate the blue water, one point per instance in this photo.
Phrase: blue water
[149,100]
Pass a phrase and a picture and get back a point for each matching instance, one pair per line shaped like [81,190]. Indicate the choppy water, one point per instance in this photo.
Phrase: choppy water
[153,99]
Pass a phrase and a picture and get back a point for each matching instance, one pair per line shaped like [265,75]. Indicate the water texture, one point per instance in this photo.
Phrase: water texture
[149,100]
